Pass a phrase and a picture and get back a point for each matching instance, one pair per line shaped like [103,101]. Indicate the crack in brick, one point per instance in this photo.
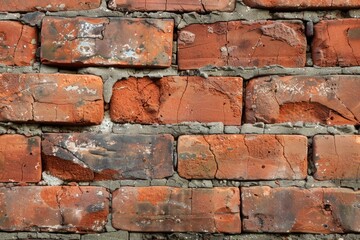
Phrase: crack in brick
[181,98]
[17,45]
[214,156]
[248,156]
[61,211]
[284,155]
[352,49]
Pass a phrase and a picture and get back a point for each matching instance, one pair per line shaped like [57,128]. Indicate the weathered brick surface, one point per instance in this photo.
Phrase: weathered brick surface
[177,99]
[72,209]
[166,209]
[337,43]
[331,100]
[173,5]
[249,157]
[18,43]
[87,156]
[47,5]
[47,98]
[303,4]
[107,41]
[320,210]
[337,157]
[20,159]
[246,44]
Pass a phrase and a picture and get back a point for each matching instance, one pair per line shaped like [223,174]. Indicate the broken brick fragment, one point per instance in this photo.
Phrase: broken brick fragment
[131,42]
[47,5]
[336,157]
[51,98]
[242,44]
[20,158]
[168,209]
[302,4]
[242,157]
[54,209]
[291,209]
[331,100]
[89,157]
[337,43]
[177,99]
[18,43]
[173,5]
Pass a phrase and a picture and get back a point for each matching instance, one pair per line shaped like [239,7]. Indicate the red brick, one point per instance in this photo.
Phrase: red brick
[337,157]
[106,41]
[51,98]
[249,157]
[47,5]
[20,159]
[166,209]
[177,99]
[283,210]
[331,100]
[18,43]
[337,43]
[173,5]
[60,209]
[89,156]
[245,44]
[303,4]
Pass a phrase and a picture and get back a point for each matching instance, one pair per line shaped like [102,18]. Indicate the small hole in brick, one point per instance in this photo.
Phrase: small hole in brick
[331,118]
[327,207]
[31,153]
[269,151]
[263,166]
[325,225]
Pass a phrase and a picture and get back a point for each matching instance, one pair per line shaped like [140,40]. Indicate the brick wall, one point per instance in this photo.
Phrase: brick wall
[177,119]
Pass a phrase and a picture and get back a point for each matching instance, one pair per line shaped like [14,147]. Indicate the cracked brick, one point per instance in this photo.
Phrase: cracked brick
[173,5]
[331,100]
[242,157]
[167,209]
[60,209]
[18,43]
[20,158]
[336,43]
[51,98]
[47,5]
[302,4]
[243,44]
[315,210]
[177,99]
[128,42]
[337,157]
[89,157]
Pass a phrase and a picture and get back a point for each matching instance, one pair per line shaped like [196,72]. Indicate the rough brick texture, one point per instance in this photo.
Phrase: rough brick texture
[177,99]
[87,157]
[173,5]
[331,100]
[72,209]
[337,43]
[242,157]
[245,44]
[18,43]
[47,5]
[166,209]
[20,159]
[337,157]
[107,41]
[316,210]
[303,4]
[51,98]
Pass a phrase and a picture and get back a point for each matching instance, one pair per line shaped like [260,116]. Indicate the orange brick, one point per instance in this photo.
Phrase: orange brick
[331,100]
[20,158]
[167,209]
[60,209]
[107,41]
[245,44]
[337,43]
[284,210]
[51,98]
[337,157]
[18,43]
[173,5]
[177,99]
[248,157]
[303,4]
